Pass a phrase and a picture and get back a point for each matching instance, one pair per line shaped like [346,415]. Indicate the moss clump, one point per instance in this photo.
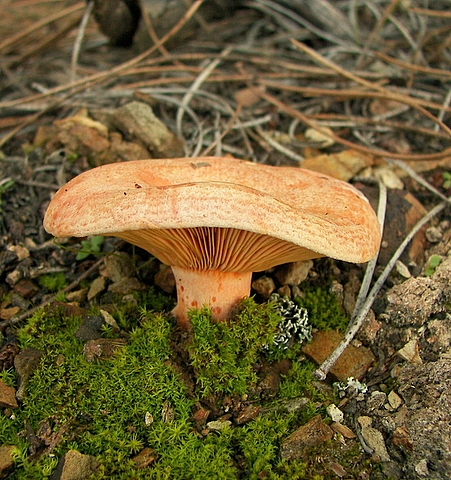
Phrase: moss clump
[53,282]
[325,311]
[224,355]
[103,408]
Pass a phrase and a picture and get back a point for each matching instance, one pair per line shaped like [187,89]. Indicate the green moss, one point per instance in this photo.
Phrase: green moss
[224,355]
[53,282]
[101,408]
[325,311]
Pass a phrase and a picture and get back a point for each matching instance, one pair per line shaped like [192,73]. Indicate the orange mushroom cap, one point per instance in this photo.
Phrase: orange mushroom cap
[218,214]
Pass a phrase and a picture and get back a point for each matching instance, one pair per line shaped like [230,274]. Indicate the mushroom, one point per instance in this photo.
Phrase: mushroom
[216,220]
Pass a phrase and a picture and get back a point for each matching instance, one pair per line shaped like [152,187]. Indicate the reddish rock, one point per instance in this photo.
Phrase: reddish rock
[145,458]
[353,362]
[6,460]
[26,288]
[313,433]
[7,396]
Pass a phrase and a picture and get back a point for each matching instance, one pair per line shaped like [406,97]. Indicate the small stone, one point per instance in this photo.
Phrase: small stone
[218,425]
[118,266]
[165,279]
[373,438]
[125,286]
[102,348]
[136,120]
[343,430]
[97,286]
[26,288]
[247,414]
[334,413]
[145,458]
[21,252]
[376,400]
[77,295]
[313,433]
[6,460]
[402,269]
[284,291]
[394,400]
[7,396]
[410,352]
[433,234]
[109,320]
[293,273]
[354,361]
[90,328]
[75,466]
[421,468]
[264,286]
[25,363]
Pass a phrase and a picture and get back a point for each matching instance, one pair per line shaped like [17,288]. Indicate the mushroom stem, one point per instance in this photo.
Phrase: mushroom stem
[218,290]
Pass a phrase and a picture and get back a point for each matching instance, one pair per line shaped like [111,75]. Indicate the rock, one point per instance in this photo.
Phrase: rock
[394,400]
[165,279]
[335,414]
[313,433]
[25,363]
[218,425]
[248,413]
[118,266]
[75,466]
[136,120]
[97,286]
[102,348]
[433,234]
[418,299]
[373,438]
[126,285]
[26,288]
[145,458]
[7,396]
[411,352]
[426,420]
[342,430]
[90,328]
[264,286]
[6,460]
[353,362]
[293,273]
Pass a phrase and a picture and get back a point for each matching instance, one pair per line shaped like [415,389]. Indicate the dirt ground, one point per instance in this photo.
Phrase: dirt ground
[357,90]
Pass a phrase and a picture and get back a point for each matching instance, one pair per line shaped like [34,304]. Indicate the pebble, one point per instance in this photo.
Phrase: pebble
[6,460]
[313,433]
[264,286]
[7,396]
[75,466]
[334,413]
[354,361]
[410,352]
[433,234]
[394,400]
[25,363]
[373,438]
[293,273]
